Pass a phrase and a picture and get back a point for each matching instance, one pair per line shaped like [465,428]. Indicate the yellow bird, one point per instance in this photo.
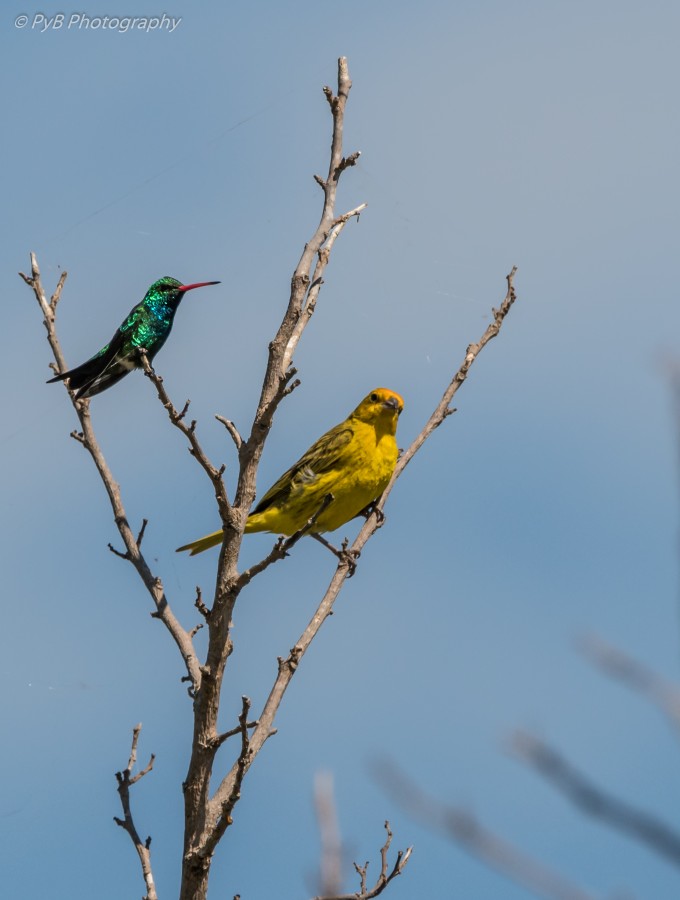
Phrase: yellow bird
[353,462]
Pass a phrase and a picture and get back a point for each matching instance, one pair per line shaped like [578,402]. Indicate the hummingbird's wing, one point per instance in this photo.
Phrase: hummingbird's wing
[108,365]
[321,457]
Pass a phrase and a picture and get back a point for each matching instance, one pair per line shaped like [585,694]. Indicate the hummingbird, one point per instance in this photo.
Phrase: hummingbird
[146,328]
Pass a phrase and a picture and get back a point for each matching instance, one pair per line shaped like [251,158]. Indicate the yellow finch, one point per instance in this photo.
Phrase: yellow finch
[353,462]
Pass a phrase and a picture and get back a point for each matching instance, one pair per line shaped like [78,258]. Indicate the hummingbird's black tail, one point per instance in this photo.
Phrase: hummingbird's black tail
[92,376]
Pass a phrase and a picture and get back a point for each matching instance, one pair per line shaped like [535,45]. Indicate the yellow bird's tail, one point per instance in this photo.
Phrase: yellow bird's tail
[204,543]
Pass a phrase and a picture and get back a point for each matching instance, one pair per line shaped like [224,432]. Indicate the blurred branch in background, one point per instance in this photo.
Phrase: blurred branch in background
[329,830]
[465,829]
[662,693]
[642,826]
[671,366]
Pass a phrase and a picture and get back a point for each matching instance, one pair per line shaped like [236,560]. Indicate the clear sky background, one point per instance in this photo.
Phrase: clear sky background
[542,134]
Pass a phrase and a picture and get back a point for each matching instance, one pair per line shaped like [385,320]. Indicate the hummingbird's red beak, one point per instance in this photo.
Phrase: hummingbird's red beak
[189,287]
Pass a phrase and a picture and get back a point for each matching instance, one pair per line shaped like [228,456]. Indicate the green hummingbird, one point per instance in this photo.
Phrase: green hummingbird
[146,328]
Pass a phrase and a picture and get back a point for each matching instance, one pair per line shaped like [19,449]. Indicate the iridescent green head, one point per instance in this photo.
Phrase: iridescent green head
[165,283]
[170,291]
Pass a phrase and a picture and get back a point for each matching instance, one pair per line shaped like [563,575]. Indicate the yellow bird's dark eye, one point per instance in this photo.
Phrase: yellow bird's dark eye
[374,398]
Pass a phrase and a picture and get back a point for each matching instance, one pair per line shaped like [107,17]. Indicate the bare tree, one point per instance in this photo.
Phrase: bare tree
[208,814]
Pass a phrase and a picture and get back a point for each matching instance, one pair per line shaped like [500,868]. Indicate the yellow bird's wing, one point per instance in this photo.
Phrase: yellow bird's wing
[322,457]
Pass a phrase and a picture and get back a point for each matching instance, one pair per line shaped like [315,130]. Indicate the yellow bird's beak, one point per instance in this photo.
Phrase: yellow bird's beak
[392,403]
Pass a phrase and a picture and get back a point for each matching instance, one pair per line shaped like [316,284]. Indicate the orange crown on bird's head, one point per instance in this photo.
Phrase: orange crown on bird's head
[380,402]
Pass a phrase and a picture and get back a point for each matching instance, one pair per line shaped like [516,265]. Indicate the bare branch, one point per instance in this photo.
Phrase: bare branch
[282,546]
[200,605]
[345,163]
[233,431]
[125,781]
[208,824]
[386,874]
[140,537]
[221,738]
[189,432]
[643,827]
[465,829]
[242,766]
[87,438]
[323,256]
[280,350]
[664,694]
[443,409]
[288,667]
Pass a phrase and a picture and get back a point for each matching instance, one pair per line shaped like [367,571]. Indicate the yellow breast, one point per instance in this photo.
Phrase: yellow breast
[359,477]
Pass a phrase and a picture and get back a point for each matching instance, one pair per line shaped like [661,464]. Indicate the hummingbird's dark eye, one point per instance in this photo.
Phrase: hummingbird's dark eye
[374,398]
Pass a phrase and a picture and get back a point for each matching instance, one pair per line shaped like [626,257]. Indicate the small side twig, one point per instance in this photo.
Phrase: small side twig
[140,537]
[125,781]
[322,258]
[189,431]
[200,605]
[282,546]
[221,738]
[345,163]
[233,431]
[384,878]
[242,765]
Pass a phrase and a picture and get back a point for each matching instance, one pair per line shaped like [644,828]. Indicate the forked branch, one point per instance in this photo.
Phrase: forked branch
[387,873]
[125,781]
[287,667]
[87,438]
[304,289]
[332,851]
[177,418]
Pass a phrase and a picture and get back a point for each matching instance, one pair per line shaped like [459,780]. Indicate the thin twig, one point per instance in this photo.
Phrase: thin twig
[125,781]
[323,256]
[189,432]
[282,546]
[384,878]
[242,765]
[221,738]
[233,431]
[200,605]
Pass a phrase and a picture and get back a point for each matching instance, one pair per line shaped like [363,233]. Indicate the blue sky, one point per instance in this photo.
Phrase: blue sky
[540,134]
